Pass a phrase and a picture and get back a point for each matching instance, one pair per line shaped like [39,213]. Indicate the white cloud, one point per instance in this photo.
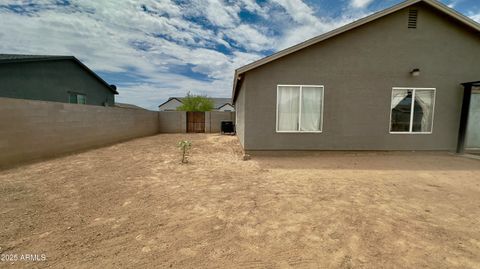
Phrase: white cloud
[216,11]
[252,6]
[476,17]
[249,37]
[454,3]
[360,3]
[305,24]
[299,11]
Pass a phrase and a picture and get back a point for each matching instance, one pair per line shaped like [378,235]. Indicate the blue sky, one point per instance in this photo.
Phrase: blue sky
[153,49]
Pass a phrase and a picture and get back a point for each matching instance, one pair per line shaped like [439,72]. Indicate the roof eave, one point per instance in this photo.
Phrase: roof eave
[95,75]
[234,87]
[36,59]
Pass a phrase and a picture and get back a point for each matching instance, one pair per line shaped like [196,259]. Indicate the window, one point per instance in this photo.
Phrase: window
[299,108]
[76,98]
[412,110]
[81,99]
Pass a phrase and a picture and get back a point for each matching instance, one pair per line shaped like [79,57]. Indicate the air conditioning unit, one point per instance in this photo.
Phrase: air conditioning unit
[227,127]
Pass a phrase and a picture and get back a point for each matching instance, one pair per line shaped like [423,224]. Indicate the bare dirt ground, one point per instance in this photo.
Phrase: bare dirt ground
[133,205]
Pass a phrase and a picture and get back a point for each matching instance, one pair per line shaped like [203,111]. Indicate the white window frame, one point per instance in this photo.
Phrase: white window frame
[414,89]
[300,109]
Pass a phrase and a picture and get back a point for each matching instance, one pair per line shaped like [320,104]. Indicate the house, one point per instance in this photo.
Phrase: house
[390,81]
[53,78]
[219,104]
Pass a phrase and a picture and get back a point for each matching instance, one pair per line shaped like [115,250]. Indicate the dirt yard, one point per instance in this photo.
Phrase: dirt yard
[133,205]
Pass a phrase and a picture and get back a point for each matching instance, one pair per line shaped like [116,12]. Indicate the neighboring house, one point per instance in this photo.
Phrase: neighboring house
[53,78]
[390,81]
[226,107]
[129,106]
[219,104]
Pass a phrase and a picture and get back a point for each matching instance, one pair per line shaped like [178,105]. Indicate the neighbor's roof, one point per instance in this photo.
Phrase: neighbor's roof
[217,102]
[226,104]
[131,106]
[435,4]
[15,58]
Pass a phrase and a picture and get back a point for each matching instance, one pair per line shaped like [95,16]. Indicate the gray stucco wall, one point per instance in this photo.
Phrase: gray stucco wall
[358,69]
[51,81]
[36,129]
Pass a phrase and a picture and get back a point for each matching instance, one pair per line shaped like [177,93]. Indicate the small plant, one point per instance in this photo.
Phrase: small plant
[184,146]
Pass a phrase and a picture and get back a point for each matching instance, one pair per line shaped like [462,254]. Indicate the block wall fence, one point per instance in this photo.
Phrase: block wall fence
[31,130]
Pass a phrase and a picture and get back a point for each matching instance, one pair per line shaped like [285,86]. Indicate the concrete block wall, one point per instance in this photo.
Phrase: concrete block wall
[172,121]
[213,120]
[32,130]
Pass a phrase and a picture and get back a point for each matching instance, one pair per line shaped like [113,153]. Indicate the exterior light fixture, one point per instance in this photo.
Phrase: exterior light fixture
[415,72]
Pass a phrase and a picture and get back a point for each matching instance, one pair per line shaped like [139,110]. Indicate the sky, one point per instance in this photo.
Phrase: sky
[154,49]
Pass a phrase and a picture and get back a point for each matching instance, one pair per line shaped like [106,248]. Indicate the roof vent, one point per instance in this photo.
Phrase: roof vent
[412,18]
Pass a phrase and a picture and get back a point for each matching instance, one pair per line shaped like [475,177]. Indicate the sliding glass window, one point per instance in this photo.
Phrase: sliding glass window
[412,110]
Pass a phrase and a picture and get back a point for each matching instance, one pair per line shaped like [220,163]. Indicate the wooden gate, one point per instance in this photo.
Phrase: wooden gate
[195,122]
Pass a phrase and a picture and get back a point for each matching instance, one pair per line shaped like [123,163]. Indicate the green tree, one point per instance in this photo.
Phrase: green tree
[196,103]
